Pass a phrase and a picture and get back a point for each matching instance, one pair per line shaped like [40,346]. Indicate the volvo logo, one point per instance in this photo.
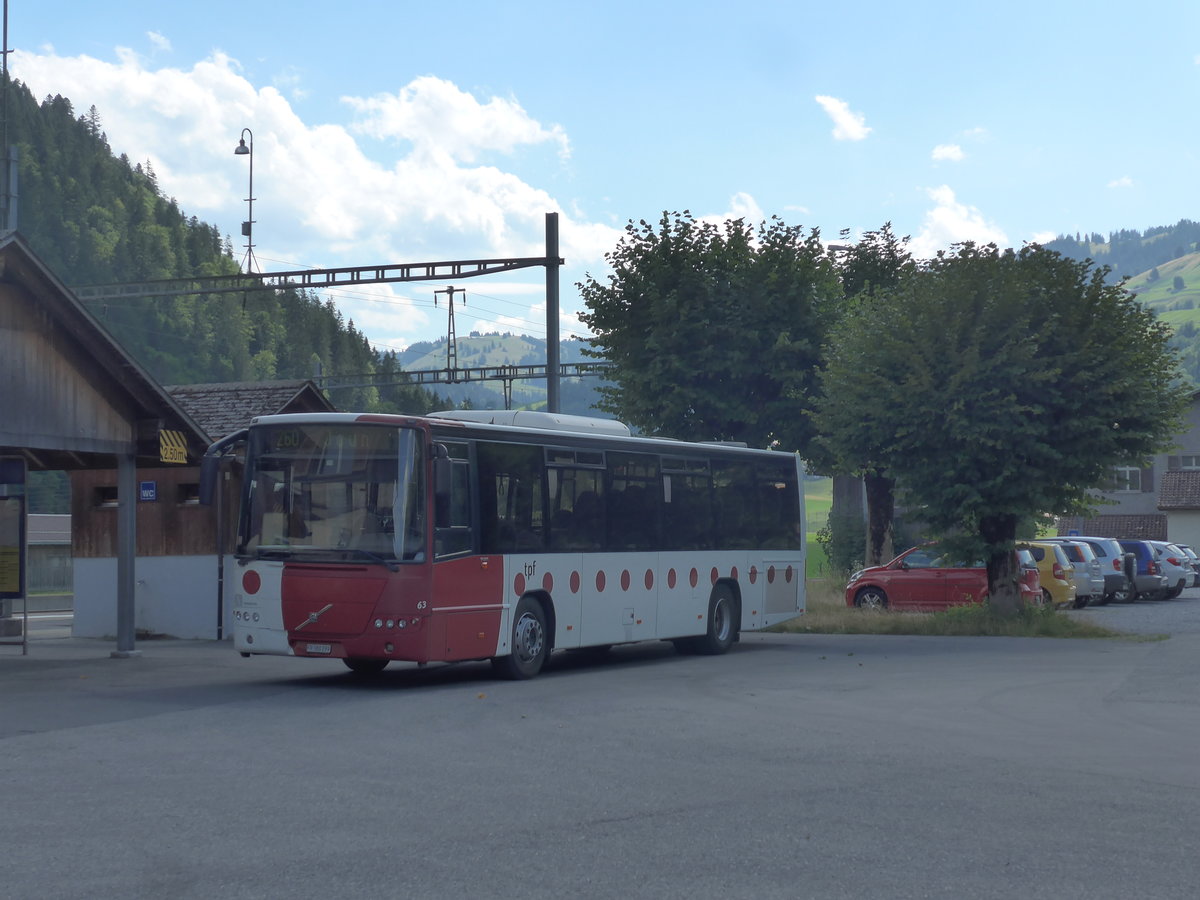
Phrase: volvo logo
[313,616]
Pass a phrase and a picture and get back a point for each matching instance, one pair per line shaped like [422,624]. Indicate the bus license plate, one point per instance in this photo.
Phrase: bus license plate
[318,648]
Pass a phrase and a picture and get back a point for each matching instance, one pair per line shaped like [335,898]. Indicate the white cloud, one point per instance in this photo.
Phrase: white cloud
[951,222]
[324,196]
[847,125]
[741,206]
[439,118]
[159,41]
[1043,237]
[948,152]
[1123,182]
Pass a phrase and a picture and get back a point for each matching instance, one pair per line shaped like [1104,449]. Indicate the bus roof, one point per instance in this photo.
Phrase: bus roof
[539,427]
[527,418]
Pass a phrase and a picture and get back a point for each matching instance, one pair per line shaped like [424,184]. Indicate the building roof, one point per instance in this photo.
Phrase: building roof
[1179,489]
[72,398]
[222,409]
[1150,527]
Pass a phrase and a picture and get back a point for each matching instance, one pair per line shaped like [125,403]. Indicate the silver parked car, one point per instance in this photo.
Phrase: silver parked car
[1195,560]
[1111,555]
[1088,576]
[1175,566]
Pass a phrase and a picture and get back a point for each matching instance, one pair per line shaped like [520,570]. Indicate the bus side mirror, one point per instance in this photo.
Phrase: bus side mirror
[210,465]
[210,469]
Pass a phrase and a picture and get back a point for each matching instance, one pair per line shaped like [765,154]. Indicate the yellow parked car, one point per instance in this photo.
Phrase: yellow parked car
[1056,571]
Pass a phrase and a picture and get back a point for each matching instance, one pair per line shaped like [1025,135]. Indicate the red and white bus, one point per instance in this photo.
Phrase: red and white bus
[504,536]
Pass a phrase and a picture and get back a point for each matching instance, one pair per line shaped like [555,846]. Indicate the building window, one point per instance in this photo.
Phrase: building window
[1189,462]
[1127,479]
[106,497]
[187,494]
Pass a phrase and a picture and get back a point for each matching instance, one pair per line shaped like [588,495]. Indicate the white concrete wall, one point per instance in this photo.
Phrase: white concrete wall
[174,595]
[1183,527]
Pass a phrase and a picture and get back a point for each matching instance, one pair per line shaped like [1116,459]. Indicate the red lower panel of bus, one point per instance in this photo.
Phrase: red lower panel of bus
[357,611]
[329,601]
[467,610]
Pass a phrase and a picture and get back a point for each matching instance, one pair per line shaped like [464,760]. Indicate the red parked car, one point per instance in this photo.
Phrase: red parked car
[923,578]
[920,578]
[1031,579]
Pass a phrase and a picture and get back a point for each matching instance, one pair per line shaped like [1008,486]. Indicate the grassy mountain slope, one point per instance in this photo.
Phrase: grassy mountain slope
[1158,289]
[577,395]
[488,350]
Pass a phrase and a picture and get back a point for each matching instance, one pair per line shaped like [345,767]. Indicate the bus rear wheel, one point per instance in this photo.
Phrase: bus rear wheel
[530,643]
[722,627]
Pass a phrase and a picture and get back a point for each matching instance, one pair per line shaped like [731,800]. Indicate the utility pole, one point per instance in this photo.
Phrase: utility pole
[451,341]
[552,349]
[8,174]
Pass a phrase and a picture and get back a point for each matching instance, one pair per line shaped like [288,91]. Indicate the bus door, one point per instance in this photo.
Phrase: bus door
[467,588]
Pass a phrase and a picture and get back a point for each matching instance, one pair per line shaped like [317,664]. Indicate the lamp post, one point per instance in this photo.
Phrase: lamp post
[242,149]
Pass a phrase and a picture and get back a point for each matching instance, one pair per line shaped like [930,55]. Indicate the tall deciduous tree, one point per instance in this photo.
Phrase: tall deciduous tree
[875,265]
[996,386]
[713,331]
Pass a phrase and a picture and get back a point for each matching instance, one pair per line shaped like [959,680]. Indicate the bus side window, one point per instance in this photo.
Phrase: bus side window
[577,501]
[631,488]
[736,505]
[779,508]
[687,511]
[452,530]
[510,498]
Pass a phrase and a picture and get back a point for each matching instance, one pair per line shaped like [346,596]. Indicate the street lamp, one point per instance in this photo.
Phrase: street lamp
[242,149]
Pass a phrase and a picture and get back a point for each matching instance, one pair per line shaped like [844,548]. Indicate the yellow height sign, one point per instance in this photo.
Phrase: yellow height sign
[172,447]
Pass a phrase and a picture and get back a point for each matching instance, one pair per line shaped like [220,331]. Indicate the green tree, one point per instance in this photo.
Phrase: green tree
[713,332]
[873,265]
[996,386]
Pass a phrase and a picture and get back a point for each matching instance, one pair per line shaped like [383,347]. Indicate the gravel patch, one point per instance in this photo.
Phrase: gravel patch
[1178,616]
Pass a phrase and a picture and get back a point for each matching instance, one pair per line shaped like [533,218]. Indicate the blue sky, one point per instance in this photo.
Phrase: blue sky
[389,133]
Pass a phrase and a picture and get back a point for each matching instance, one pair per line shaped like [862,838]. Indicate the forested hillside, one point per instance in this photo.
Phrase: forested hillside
[95,219]
[1129,252]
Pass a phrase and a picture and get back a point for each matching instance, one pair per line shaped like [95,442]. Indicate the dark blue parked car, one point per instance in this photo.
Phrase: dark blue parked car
[1145,572]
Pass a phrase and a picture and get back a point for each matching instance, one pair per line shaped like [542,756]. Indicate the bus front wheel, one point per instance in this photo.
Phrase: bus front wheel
[530,644]
[361,665]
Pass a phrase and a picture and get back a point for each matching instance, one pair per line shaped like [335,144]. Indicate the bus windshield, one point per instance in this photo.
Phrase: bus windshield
[341,491]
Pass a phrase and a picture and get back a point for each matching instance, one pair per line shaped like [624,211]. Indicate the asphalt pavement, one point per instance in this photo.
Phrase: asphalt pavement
[796,766]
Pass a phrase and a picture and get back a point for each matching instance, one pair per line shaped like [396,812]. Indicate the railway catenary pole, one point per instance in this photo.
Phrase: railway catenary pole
[552,348]
[317,279]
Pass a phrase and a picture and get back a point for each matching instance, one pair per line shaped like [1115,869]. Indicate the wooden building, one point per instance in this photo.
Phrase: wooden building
[180,573]
[71,398]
